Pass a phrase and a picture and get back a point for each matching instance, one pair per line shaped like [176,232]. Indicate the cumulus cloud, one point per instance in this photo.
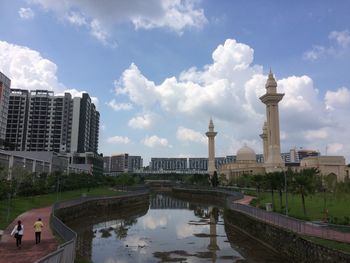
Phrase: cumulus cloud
[119,106]
[155,141]
[142,122]
[99,18]
[118,140]
[339,42]
[28,70]
[26,13]
[338,99]
[228,89]
[185,134]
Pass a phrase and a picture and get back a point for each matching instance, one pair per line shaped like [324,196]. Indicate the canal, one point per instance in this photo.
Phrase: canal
[169,230]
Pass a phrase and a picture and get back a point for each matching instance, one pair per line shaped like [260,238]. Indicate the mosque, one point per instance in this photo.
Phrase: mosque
[246,162]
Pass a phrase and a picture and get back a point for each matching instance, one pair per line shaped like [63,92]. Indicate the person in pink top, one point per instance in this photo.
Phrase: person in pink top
[38,226]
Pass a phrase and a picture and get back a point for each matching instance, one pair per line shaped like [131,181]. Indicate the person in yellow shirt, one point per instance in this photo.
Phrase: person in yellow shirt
[38,226]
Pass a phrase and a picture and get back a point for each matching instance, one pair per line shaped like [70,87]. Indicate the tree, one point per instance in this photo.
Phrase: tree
[280,185]
[270,184]
[214,179]
[258,181]
[304,183]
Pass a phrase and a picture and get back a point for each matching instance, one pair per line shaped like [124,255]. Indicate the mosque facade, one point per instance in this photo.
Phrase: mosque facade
[246,163]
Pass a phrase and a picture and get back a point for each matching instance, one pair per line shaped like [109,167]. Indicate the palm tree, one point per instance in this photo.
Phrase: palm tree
[258,180]
[271,184]
[303,184]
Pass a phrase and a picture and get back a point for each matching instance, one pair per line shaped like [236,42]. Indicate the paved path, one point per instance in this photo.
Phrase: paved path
[245,200]
[30,252]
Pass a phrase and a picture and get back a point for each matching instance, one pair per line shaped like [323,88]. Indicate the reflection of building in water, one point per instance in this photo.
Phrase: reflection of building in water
[165,202]
[213,245]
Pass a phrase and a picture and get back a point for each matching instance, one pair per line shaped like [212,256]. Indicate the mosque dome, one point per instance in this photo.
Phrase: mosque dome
[246,154]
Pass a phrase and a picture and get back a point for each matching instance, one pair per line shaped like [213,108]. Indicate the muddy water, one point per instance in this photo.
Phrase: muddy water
[170,230]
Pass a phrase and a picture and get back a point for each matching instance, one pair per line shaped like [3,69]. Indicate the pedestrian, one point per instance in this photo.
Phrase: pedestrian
[38,226]
[18,232]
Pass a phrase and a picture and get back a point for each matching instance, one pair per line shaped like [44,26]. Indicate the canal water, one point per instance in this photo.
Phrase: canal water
[170,230]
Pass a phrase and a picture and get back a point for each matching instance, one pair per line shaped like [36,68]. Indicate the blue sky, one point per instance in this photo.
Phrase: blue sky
[159,70]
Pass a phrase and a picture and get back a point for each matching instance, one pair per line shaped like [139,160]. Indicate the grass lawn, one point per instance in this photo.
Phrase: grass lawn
[22,204]
[329,243]
[337,205]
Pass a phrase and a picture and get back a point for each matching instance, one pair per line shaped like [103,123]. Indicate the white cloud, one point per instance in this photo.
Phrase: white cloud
[26,13]
[118,140]
[155,141]
[316,134]
[338,99]
[340,41]
[99,32]
[119,106]
[142,122]
[99,18]
[185,134]
[28,69]
[315,53]
[228,89]
[76,18]
[341,37]
[334,148]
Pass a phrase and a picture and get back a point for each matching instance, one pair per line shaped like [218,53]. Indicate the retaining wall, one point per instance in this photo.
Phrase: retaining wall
[289,244]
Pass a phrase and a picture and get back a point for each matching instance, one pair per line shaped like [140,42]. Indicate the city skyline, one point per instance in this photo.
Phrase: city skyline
[159,73]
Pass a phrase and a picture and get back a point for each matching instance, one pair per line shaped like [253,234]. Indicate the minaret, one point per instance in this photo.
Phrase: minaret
[211,148]
[263,136]
[270,99]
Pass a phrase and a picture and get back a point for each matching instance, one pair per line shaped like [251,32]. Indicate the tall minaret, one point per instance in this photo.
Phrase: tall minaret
[270,99]
[263,136]
[211,148]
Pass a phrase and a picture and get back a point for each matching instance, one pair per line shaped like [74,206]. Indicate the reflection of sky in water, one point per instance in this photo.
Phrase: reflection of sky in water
[171,229]
[160,230]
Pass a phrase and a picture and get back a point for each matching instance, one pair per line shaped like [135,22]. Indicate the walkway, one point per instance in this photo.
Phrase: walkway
[246,200]
[290,223]
[30,252]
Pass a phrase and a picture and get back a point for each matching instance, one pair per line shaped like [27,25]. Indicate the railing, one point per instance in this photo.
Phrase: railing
[65,252]
[292,224]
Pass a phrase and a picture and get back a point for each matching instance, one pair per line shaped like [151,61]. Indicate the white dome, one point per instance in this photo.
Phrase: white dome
[246,154]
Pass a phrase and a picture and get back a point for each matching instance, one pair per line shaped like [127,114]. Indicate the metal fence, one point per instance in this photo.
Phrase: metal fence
[292,224]
[66,251]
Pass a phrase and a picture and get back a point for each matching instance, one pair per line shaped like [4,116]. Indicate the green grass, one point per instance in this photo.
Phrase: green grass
[330,243]
[22,204]
[337,205]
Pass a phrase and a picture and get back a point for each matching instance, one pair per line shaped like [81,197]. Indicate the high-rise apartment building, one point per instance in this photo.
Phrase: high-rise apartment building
[5,84]
[85,125]
[16,131]
[40,121]
[121,163]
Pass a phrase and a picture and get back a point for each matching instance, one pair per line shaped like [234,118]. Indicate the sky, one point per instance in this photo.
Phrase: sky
[159,70]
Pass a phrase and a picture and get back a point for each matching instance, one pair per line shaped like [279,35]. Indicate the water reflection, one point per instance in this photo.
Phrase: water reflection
[170,231]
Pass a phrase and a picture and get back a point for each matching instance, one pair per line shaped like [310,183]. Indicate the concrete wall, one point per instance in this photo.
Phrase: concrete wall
[101,206]
[283,242]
